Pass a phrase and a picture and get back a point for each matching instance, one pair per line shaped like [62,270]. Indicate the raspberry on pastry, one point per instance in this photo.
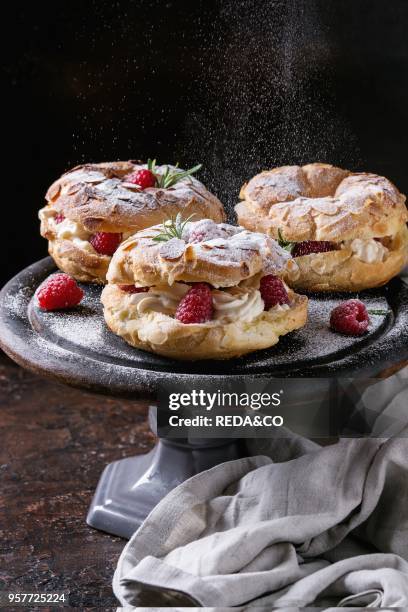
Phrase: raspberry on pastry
[133,289]
[143,178]
[105,243]
[92,203]
[273,291]
[312,246]
[214,291]
[196,306]
[346,230]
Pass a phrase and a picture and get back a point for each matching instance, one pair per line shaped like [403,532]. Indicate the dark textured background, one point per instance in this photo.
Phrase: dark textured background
[238,85]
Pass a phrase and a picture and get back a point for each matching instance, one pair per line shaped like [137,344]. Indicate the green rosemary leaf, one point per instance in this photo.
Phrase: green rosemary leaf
[172,228]
[285,244]
[174,175]
[160,238]
[170,176]
[194,169]
[151,165]
[378,312]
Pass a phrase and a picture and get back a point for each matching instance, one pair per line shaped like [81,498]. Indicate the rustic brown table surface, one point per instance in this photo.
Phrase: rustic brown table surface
[55,441]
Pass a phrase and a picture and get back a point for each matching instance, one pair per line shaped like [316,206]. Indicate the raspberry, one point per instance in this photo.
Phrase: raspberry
[143,178]
[196,306]
[59,291]
[273,291]
[59,218]
[312,246]
[133,289]
[350,317]
[105,243]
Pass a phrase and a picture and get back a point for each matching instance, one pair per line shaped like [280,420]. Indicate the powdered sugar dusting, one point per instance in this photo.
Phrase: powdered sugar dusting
[16,303]
[223,243]
[83,330]
[317,337]
[270,191]
[267,80]
[101,189]
[77,341]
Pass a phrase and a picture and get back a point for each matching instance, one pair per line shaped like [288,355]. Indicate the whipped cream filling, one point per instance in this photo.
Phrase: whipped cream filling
[232,304]
[237,303]
[70,230]
[67,229]
[160,298]
[366,250]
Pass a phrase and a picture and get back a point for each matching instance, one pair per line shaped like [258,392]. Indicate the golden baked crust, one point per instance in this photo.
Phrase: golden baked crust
[220,254]
[320,202]
[80,264]
[162,334]
[341,270]
[230,259]
[97,199]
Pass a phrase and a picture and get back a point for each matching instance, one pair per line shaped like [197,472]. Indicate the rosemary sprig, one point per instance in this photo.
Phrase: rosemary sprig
[380,312]
[172,228]
[285,244]
[151,165]
[170,176]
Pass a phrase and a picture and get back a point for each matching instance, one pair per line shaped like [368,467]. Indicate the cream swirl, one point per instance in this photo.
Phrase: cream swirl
[70,230]
[237,303]
[66,229]
[160,298]
[368,251]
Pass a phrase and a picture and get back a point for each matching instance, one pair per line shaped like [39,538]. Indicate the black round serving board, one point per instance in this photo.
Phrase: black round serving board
[76,347]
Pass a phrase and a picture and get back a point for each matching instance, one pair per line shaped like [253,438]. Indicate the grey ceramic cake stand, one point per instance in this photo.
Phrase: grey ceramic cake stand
[76,348]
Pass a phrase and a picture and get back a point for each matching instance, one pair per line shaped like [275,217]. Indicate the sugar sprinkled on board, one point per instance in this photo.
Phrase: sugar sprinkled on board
[85,328]
[16,304]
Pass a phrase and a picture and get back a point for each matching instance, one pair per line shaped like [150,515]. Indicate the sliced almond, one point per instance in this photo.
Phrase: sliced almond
[54,191]
[172,250]
[74,188]
[189,253]
[130,245]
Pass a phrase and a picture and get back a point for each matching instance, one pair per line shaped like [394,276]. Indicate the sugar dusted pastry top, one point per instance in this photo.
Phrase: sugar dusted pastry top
[220,254]
[98,197]
[322,202]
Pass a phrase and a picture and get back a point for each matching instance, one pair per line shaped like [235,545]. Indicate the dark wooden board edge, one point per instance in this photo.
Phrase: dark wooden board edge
[17,340]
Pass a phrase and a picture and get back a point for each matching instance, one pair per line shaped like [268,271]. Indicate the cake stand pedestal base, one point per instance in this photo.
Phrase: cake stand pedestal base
[130,488]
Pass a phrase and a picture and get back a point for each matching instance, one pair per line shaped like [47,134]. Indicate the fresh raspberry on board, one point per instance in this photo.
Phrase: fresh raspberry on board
[273,291]
[143,178]
[196,306]
[59,291]
[59,218]
[350,318]
[312,246]
[105,243]
[133,289]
